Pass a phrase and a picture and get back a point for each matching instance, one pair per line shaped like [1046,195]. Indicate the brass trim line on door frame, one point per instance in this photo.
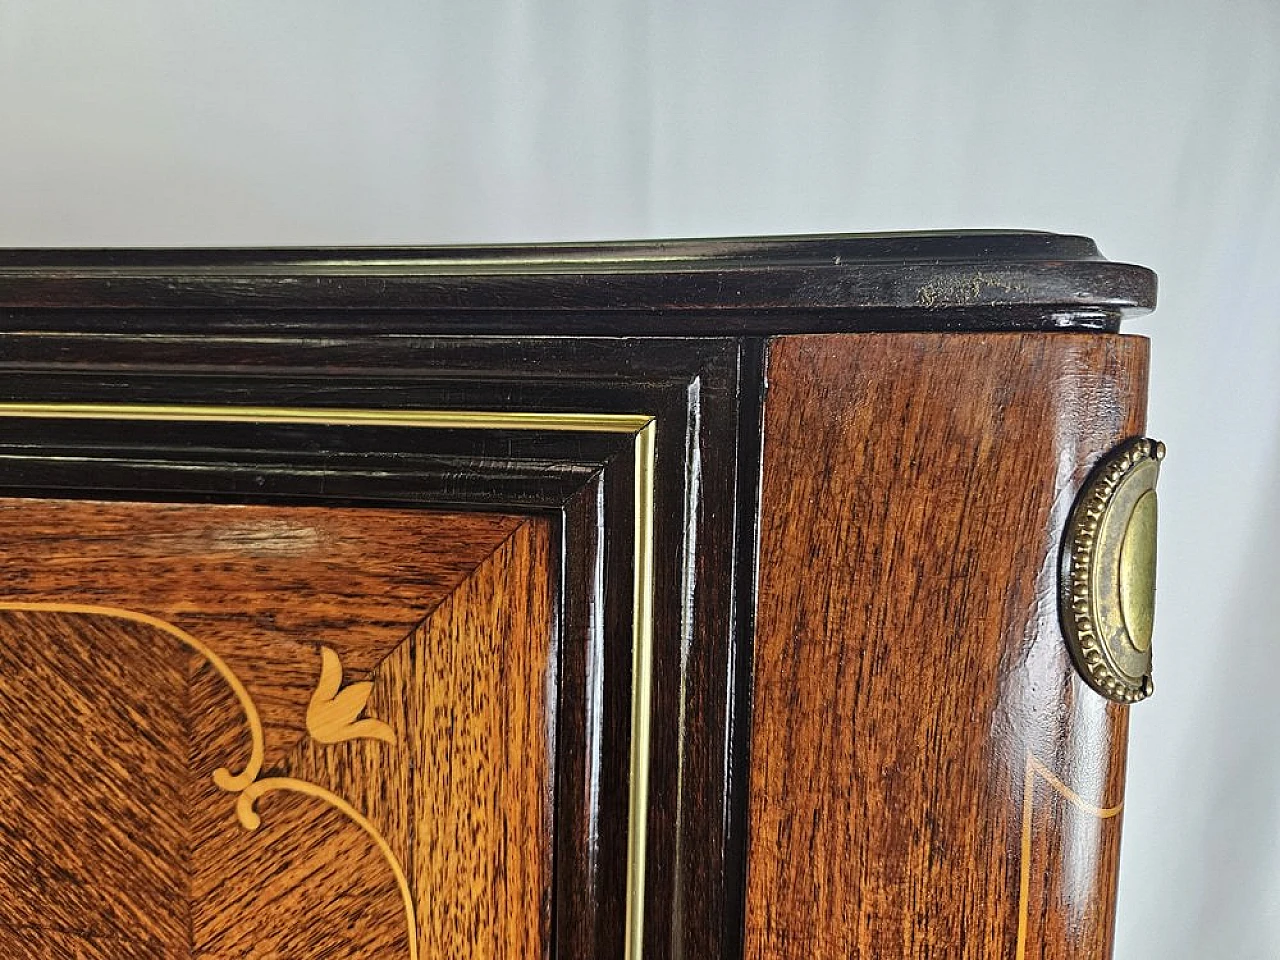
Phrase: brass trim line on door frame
[642,427]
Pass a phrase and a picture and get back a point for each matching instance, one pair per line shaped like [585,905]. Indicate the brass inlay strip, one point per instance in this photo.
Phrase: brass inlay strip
[1034,768]
[642,427]
[642,689]
[335,416]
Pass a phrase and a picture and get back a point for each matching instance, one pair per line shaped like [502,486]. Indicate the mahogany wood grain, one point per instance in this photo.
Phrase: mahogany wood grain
[118,841]
[482,683]
[463,799]
[930,777]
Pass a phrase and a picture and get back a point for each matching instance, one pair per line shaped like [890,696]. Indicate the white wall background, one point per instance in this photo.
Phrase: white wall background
[1153,127]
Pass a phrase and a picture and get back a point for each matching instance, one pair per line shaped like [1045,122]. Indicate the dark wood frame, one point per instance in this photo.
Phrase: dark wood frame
[704,398]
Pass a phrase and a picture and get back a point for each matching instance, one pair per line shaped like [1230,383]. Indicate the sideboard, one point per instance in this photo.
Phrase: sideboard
[747,598]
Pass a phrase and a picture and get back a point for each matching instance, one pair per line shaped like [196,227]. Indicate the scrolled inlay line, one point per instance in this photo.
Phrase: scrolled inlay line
[246,785]
[223,777]
[250,819]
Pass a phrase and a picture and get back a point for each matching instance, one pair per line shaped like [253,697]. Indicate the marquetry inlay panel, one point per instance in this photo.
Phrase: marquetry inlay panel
[273,731]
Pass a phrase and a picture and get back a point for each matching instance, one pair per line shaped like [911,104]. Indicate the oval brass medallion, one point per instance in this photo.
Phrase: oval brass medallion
[1109,572]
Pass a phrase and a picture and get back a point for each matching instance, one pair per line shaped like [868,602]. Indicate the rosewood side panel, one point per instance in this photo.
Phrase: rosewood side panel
[930,776]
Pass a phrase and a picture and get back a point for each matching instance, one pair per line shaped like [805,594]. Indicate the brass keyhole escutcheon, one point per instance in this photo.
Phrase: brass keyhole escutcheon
[1109,572]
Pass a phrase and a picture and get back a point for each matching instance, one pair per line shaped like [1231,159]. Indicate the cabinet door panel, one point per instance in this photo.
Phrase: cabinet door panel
[250,731]
[636,460]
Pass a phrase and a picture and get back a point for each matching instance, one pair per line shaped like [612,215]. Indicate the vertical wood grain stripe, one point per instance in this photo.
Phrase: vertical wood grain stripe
[908,658]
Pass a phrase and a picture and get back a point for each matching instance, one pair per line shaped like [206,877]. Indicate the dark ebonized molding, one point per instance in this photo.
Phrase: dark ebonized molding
[706,465]
[943,281]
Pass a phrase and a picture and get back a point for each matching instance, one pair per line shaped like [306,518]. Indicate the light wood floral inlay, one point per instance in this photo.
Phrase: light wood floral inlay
[334,712]
[333,716]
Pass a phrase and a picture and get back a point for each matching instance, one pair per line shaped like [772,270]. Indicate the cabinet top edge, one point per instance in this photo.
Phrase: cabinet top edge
[939,273]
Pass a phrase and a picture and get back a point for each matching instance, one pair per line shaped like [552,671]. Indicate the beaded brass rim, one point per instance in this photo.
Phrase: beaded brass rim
[1108,572]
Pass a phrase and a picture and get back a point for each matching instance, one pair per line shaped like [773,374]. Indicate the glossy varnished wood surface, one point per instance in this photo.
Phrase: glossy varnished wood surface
[703,394]
[743,285]
[118,841]
[92,811]
[930,777]
[675,331]
[486,702]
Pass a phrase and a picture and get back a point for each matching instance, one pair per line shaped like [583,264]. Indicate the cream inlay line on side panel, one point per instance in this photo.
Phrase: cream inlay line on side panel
[1035,769]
